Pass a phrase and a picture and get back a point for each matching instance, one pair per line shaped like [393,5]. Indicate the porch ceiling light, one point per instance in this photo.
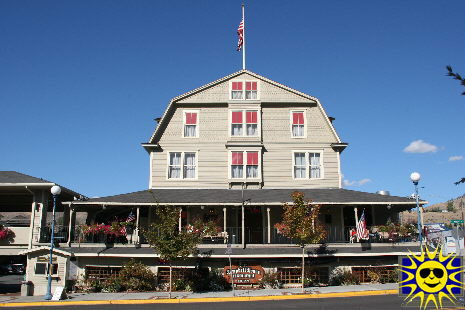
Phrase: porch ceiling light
[415,177]
[55,190]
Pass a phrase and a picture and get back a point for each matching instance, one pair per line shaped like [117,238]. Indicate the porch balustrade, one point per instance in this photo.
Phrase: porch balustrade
[60,234]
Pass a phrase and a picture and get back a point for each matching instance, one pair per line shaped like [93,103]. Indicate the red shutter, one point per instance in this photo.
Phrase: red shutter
[191,118]
[237,158]
[236,85]
[297,118]
[237,117]
[251,117]
[252,158]
[250,85]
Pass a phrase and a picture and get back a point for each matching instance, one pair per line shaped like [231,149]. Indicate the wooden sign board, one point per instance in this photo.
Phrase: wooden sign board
[244,275]
[59,293]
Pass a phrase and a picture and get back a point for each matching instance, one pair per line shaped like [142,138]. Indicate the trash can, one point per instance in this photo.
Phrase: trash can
[27,288]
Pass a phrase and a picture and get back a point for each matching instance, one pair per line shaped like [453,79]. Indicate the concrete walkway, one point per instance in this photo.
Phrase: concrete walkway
[189,295]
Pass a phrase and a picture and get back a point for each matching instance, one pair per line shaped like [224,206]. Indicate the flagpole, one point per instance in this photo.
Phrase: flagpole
[243,38]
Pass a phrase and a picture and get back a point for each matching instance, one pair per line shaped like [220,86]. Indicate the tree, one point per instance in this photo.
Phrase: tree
[300,223]
[450,206]
[171,242]
[457,77]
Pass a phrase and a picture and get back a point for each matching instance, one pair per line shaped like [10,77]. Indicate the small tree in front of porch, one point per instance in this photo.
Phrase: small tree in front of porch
[171,243]
[300,223]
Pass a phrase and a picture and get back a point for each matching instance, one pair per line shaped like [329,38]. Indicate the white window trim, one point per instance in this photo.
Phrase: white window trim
[243,90]
[182,166]
[184,123]
[291,121]
[307,165]
[244,124]
[244,165]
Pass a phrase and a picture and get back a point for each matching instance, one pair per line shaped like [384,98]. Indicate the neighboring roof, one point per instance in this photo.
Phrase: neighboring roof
[46,248]
[358,249]
[256,196]
[223,79]
[16,177]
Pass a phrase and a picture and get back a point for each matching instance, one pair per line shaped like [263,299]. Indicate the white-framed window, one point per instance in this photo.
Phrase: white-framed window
[245,165]
[298,124]
[244,123]
[307,164]
[42,268]
[182,165]
[191,123]
[244,90]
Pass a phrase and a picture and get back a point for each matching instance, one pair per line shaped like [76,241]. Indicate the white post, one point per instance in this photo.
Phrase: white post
[137,224]
[31,224]
[269,223]
[180,219]
[224,224]
[356,222]
[243,39]
[70,224]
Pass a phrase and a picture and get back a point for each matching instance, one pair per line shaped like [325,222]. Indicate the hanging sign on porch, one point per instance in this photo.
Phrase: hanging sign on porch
[244,274]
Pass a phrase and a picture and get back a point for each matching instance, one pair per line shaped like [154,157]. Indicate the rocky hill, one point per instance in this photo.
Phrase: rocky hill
[439,213]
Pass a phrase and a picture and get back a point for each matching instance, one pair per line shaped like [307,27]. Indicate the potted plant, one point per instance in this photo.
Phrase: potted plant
[6,233]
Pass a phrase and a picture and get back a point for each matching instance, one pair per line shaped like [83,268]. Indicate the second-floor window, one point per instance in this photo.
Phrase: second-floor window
[182,165]
[249,128]
[191,129]
[298,124]
[307,165]
[244,165]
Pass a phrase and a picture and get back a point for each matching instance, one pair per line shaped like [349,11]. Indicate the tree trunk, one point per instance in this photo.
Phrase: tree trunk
[171,279]
[303,268]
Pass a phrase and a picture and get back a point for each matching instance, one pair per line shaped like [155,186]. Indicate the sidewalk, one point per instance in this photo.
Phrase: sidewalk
[352,290]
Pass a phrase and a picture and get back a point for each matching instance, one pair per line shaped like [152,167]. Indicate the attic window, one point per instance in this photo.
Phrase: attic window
[241,90]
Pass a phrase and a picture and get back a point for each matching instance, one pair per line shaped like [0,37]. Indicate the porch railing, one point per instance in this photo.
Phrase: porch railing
[60,234]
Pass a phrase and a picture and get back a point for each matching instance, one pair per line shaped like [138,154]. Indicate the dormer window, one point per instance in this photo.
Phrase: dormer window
[298,124]
[244,90]
[191,124]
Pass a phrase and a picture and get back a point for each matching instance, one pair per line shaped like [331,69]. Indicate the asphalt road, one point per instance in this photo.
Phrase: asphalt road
[346,303]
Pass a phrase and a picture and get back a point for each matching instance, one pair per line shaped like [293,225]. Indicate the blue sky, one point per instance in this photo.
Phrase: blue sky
[81,81]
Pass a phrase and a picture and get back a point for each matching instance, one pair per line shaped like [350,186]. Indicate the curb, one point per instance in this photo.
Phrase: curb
[196,300]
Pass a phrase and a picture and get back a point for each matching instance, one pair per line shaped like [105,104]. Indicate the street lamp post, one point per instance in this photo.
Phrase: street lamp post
[415,177]
[55,190]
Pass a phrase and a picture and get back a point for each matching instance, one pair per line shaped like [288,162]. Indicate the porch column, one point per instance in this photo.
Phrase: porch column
[225,223]
[137,224]
[71,223]
[268,209]
[180,219]
[356,221]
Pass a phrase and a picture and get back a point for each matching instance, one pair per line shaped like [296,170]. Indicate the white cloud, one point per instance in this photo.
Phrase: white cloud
[420,146]
[455,158]
[356,183]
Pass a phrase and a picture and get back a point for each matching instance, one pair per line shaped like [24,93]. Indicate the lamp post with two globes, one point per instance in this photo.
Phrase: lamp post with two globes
[415,177]
[56,191]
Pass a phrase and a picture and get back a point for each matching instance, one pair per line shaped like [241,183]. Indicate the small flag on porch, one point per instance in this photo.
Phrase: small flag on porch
[362,231]
[240,33]
[131,218]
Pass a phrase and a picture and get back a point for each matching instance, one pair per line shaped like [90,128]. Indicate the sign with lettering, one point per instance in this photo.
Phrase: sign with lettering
[244,274]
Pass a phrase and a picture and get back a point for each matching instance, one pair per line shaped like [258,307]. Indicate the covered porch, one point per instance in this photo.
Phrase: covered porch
[245,217]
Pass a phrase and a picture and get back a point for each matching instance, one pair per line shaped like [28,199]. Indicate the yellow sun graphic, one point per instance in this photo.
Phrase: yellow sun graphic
[431,278]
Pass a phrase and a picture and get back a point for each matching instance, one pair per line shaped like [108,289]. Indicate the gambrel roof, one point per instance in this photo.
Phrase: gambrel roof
[164,119]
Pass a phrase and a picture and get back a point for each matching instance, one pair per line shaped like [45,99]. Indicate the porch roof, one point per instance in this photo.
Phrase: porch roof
[323,196]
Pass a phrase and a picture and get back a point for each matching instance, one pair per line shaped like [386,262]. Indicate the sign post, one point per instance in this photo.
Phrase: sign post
[229,252]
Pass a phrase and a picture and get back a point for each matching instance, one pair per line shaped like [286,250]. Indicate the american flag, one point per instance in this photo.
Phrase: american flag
[362,231]
[240,33]
[131,218]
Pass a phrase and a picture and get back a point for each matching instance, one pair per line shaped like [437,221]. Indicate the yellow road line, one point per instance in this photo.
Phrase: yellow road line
[196,300]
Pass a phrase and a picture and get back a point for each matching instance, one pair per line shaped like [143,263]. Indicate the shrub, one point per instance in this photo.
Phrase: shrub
[375,277]
[270,280]
[344,277]
[183,285]
[135,276]
[217,282]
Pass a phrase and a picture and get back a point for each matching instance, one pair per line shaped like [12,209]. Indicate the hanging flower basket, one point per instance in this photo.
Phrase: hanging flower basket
[6,233]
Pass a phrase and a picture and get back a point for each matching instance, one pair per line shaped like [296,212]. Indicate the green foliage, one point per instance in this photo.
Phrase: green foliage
[183,285]
[271,280]
[344,277]
[217,282]
[300,221]
[135,276]
[450,206]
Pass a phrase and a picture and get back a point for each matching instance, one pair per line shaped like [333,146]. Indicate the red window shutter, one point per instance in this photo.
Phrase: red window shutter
[237,117]
[250,85]
[251,117]
[252,158]
[254,85]
[237,85]
[237,158]
[297,118]
[191,118]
